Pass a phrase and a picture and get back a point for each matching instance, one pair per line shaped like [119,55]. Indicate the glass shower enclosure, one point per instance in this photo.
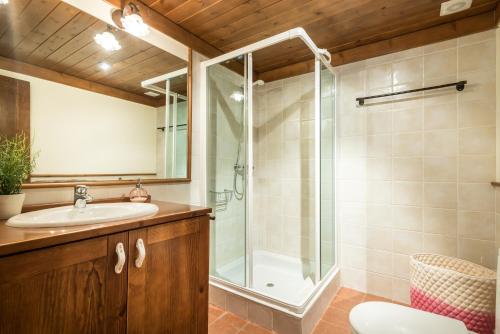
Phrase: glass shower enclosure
[270,176]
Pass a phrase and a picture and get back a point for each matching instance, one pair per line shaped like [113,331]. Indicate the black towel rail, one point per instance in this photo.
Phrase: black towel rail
[460,85]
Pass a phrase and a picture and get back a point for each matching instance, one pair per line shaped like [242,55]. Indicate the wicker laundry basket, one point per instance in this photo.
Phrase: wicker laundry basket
[455,288]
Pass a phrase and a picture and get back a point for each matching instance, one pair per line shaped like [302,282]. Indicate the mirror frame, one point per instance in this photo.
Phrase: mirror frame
[187,179]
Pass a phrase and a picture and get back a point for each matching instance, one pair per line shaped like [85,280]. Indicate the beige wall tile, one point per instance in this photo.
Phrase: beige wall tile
[407,242]
[379,238]
[379,76]
[478,251]
[407,120]
[476,197]
[409,70]
[440,143]
[379,262]
[477,140]
[379,215]
[379,168]
[440,244]
[407,193]
[401,290]
[407,144]
[476,225]
[468,56]
[401,265]
[476,168]
[379,192]
[408,169]
[440,169]
[379,146]
[440,116]
[379,122]
[440,64]
[440,195]
[237,305]
[440,221]
[475,113]
[260,315]
[379,285]
[407,218]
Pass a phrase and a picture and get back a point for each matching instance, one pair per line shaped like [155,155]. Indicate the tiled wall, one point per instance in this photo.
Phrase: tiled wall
[414,171]
[284,167]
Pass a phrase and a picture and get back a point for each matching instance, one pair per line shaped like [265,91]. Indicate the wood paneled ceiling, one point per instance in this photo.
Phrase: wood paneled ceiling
[55,36]
[350,29]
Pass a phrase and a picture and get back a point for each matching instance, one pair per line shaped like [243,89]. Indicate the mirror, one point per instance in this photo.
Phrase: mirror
[102,106]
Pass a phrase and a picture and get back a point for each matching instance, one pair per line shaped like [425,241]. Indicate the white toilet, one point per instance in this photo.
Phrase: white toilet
[388,318]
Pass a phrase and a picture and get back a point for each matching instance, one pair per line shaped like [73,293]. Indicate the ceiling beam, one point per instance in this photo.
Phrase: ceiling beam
[171,29]
[438,33]
[69,80]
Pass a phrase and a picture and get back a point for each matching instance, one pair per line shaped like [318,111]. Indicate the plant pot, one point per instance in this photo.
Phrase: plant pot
[11,205]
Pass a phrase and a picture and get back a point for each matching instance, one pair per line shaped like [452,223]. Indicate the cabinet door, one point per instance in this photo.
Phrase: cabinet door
[168,293]
[70,288]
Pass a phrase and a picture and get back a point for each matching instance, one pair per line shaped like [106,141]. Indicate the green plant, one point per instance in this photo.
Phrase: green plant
[16,163]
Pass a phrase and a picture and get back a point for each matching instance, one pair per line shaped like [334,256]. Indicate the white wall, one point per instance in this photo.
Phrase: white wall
[75,131]
[183,193]
[415,171]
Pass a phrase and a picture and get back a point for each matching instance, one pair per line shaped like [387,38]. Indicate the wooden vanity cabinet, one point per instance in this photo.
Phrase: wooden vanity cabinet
[73,288]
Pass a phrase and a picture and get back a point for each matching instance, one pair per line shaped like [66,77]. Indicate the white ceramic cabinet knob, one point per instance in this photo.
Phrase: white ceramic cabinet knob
[120,251]
[142,252]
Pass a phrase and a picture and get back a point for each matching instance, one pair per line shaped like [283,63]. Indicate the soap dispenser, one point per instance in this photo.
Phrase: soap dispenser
[138,194]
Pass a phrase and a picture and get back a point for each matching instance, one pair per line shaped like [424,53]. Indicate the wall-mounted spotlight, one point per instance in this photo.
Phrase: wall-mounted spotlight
[129,19]
[108,40]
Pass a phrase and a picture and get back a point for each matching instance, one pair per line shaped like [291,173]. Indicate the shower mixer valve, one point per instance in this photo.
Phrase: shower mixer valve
[239,169]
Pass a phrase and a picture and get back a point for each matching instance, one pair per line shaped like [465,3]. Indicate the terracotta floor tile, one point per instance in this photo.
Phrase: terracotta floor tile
[373,298]
[324,327]
[251,328]
[336,316]
[214,313]
[228,323]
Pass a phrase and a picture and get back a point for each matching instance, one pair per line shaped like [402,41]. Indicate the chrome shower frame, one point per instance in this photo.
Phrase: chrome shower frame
[322,57]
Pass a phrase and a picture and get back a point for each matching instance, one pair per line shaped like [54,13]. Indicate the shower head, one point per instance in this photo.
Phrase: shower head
[259,83]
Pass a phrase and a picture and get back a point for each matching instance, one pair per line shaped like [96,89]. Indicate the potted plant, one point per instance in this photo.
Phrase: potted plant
[16,165]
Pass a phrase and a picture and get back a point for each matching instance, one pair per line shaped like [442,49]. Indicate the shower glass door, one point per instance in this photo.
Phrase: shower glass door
[226,174]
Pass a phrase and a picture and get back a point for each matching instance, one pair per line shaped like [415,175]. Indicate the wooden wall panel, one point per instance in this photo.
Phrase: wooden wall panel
[14,107]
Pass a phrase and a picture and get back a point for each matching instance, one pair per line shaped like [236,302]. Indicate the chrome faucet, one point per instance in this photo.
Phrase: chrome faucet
[81,196]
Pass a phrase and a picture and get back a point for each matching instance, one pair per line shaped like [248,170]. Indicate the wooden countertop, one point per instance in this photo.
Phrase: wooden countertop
[15,239]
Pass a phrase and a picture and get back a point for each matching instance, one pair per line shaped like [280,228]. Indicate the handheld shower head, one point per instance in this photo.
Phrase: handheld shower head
[259,83]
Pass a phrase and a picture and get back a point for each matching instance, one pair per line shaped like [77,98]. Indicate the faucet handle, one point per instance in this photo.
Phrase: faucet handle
[81,189]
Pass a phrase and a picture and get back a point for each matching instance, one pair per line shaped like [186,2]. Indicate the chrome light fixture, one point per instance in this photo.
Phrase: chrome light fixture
[129,19]
[108,41]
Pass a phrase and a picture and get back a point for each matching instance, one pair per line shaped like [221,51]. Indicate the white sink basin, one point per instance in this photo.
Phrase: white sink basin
[92,214]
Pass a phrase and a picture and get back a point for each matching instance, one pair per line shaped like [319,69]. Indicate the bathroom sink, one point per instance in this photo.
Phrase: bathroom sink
[91,214]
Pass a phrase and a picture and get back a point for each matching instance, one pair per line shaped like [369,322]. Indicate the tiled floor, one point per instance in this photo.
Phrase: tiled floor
[335,320]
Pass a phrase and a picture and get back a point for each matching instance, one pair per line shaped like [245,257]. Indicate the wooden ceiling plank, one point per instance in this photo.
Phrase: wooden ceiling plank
[129,43]
[123,64]
[268,24]
[73,45]
[165,6]
[22,25]
[234,14]
[209,13]
[9,13]
[462,27]
[46,74]
[69,31]
[392,28]
[188,9]
[169,28]
[61,15]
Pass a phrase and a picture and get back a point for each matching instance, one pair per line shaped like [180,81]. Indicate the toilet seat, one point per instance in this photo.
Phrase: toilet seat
[388,318]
